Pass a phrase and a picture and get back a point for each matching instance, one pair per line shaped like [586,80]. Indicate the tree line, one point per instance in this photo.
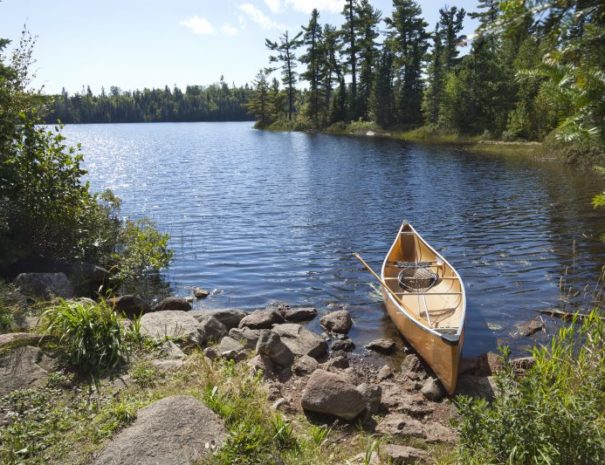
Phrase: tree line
[217,102]
[534,68]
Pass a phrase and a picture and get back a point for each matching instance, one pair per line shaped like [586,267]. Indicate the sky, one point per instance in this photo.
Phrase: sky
[135,44]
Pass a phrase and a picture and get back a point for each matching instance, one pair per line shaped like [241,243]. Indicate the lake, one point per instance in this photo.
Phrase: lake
[262,216]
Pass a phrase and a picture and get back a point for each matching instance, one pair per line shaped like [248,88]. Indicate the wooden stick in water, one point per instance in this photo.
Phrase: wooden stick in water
[380,280]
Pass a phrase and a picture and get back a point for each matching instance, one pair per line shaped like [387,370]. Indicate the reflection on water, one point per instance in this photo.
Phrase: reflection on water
[264,216]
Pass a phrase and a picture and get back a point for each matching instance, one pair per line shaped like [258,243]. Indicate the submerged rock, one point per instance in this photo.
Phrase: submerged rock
[528,328]
[200,293]
[337,322]
[330,394]
[177,430]
[172,303]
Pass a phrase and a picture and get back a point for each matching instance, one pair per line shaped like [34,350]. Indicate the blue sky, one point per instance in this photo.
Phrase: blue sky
[153,43]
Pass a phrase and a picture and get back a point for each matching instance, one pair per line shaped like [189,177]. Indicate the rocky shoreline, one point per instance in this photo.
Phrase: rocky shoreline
[383,388]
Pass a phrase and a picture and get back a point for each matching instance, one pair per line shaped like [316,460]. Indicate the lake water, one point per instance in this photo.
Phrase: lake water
[261,216]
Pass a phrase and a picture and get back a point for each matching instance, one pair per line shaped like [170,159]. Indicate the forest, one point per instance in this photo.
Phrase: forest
[534,70]
[216,102]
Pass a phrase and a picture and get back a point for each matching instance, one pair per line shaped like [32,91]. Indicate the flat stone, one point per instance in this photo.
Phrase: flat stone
[248,337]
[330,394]
[337,322]
[230,317]
[301,341]
[171,323]
[527,328]
[298,313]
[261,319]
[177,430]
[45,285]
[401,455]
[130,305]
[173,303]
[398,424]
[24,367]
[382,345]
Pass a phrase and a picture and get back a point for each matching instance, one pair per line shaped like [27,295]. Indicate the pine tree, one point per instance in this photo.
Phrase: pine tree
[350,50]
[313,38]
[368,19]
[258,105]
[332,71]
[381,102]
[451,25]
[286,56]
[435,73]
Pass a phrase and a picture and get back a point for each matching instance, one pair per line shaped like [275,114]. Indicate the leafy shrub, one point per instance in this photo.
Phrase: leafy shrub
[89,333]
[554,414]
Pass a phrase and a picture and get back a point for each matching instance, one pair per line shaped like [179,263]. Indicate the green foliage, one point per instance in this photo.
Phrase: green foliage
[90,334]
[554,414]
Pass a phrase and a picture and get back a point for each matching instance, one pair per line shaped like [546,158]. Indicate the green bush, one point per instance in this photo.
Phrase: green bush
[554,414]
[89,334]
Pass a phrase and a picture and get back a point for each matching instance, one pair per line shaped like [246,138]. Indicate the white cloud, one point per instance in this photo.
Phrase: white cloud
[257,16]
[229,30]
[306,6]
[274,5]
[198,25]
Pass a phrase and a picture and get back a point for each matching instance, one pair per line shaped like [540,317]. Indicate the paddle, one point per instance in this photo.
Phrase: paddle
[380,280]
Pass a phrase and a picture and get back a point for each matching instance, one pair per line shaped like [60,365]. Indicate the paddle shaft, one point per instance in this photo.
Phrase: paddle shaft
[380,280]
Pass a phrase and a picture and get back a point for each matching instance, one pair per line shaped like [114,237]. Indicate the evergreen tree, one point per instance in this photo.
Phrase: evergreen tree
[331,71]
[381,102]
[350,50]
[313,38]
[258,104]
[368,19]
[450,22]
[285,55]
[435,73]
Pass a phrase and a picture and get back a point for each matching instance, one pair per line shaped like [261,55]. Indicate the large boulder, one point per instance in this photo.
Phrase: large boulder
[130,305]
[261,319]
[172,323]
[301,341]
[271,345]
[337,322]
[177,430]
[330,394]
[230,317]
[45,285]
[173,303]
[24,367]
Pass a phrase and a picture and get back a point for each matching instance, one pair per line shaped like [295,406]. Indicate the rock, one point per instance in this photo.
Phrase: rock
[339,362]
[11,339]
[432,390]
[230,317]
[130,305]
[522,364]
[477,386]
[345,345]
[372,394]
[24,367]
[298,313]
[528,328]
[200,293]
[301,341]
[413,368]
[231,349]
[261,319]
[401,455]
[248,337]
[394,398]
[172,303]
[382,345]
[177,430]
[398,424]
[305,365]
[385,373]
[171,351]
[363,459]
[210,353]
[167,365]
[331,394]
[337,322]
[262,363]
[212,329]
[171,323]
[278,403]
[271,345]
[45,285]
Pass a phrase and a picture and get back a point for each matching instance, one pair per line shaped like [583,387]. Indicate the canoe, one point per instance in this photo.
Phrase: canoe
[427,302]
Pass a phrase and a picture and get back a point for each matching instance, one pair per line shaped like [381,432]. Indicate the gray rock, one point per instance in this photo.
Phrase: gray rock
[130,305]
[171,351]
[337,322]
[432,390]
[24,367]
[212,329]
[248,337]
[261,319]
[200,293]
[262,363]
[385,373]
[338,362]
[522,364]
[401,455]
[12,339]
[172,303]
[171,323]
[477,386]
[372,395]
[231,349]
[210,353]
[177,430]
[305,365]
[331,394]
[527,328]
[167,365]
[230,317]
[301,341]
[345,345]
[413,368]
[382,345]
[298,313]
[45,285]
[398,424]
[271,345]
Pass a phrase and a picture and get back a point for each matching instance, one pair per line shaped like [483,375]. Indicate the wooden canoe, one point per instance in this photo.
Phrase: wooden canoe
[429,316]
